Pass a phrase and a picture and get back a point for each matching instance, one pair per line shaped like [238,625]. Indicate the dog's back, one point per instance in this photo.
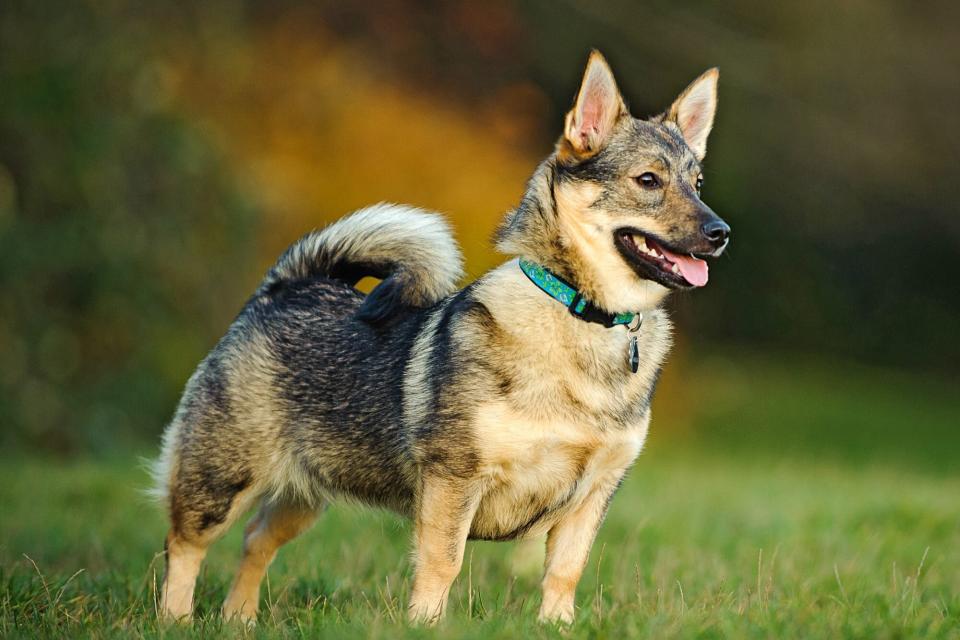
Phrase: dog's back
[302,398]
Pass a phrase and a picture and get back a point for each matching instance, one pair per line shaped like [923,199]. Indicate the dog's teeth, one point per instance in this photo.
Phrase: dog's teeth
[675,269]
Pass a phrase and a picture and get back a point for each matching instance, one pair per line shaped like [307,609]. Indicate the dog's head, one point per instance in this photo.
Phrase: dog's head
[626,192]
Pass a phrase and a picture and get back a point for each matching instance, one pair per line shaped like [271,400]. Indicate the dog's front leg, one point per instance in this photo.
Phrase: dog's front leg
[446,507]
[568,548]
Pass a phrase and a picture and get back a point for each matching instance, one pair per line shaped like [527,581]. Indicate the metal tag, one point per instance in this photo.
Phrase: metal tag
[634,354]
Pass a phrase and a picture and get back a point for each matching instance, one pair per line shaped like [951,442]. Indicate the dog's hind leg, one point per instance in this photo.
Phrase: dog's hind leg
[184,558]
[274,525]
[204,502]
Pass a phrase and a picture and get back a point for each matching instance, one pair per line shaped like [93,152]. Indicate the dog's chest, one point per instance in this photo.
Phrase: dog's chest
[537,472]
[585,377]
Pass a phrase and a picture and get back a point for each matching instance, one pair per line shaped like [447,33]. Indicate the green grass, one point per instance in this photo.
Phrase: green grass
[802,501]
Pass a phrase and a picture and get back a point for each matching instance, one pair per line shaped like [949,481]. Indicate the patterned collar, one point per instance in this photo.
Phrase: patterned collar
[560,290]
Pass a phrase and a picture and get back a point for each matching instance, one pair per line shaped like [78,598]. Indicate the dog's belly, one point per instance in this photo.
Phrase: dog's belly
[527,498]
[539,472]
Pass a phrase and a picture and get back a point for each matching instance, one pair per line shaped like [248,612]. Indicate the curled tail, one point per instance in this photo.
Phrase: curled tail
[412,251]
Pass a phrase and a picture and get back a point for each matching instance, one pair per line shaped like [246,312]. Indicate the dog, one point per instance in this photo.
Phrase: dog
[508,409]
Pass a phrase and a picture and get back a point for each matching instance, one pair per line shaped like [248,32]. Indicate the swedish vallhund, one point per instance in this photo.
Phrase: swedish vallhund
[509,409]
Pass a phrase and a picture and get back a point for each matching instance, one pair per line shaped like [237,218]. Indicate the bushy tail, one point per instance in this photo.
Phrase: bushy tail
[412,251]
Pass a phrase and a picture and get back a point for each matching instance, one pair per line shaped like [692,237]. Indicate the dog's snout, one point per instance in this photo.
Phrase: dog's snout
[716,231]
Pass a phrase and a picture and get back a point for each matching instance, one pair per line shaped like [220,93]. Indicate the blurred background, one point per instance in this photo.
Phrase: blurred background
[156,157]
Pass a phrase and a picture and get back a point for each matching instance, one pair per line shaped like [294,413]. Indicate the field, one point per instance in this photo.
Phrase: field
[815,500]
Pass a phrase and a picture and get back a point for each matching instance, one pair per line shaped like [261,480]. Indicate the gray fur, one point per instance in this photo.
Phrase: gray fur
[412,248]
[489,412]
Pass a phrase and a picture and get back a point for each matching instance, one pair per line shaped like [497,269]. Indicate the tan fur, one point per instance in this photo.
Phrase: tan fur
[274,526]
[252,396]
[568,548]
[552,432]
[534,449]
[442,525]
[183,565]
[513,419]
[185,554]
[544,459]
[603,275]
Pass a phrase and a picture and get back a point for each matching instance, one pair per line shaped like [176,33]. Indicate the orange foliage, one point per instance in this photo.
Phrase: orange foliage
[319,132]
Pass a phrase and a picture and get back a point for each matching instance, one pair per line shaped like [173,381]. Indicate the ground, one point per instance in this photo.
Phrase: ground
[809,500]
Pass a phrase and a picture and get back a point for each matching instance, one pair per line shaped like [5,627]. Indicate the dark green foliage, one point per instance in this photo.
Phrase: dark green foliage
[127,243]
[120,230]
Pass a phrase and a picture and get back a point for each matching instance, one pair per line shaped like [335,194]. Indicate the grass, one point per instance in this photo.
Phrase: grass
[809,501]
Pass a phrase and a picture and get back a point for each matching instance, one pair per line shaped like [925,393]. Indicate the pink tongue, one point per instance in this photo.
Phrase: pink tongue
[694,270]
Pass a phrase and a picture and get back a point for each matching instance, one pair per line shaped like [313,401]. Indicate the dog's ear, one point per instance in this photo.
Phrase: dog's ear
[598,107]
[693,111]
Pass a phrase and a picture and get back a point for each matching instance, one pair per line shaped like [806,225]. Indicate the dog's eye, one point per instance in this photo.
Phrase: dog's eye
[648,180]
[699,183]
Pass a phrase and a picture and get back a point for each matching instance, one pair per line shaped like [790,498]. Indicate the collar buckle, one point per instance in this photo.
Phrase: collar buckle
[585,310]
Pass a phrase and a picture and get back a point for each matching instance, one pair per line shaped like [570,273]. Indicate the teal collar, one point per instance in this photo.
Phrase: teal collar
[560,290]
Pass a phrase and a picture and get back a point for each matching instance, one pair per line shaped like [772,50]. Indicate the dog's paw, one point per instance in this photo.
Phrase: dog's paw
[175,611]
[558,613]
[424,614]
[243,613]
[167,618]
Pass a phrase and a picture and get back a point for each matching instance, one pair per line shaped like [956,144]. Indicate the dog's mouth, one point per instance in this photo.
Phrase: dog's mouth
[652,260]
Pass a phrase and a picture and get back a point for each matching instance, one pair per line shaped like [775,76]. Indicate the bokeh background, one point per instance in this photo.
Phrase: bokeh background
[155,158]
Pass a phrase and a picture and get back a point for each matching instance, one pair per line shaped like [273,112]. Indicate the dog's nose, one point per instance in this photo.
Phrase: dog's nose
[716,231]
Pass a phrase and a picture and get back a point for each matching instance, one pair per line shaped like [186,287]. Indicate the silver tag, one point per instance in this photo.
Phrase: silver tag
[633,354]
